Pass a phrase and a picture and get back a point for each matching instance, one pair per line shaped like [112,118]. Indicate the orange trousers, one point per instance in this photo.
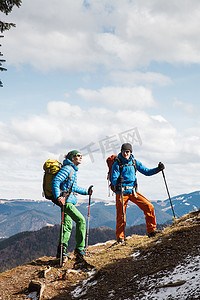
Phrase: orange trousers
[142,203]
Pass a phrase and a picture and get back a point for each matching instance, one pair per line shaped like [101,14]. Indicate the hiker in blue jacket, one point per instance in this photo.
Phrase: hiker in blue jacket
[64,190]
[125,182]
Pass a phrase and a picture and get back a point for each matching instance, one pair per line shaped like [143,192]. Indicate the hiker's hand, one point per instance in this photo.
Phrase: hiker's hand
[160,166]
[90,190]
[61,200]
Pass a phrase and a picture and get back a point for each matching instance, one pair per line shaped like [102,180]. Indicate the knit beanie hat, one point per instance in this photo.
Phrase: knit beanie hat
[127,146]
[71,154]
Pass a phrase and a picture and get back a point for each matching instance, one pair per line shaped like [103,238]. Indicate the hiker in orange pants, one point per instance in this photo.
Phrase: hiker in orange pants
[123,177]
[143,204]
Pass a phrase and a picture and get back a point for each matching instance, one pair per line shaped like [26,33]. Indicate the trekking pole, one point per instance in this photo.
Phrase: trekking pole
[168,193]
[88,220]
[122,199]
[61,237]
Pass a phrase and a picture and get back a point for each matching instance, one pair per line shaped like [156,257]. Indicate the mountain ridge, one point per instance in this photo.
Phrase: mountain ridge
[18,215]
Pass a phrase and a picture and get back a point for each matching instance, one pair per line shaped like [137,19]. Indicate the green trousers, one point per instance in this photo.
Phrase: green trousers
[72,213]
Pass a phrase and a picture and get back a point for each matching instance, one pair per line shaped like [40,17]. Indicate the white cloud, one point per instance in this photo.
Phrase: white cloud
[37,129]
[65,126]
[159,118]
[111,33]
[118,42]
[120,97]
[26,143]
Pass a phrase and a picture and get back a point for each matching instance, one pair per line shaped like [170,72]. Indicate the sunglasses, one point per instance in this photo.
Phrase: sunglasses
[126,151]
[78,155]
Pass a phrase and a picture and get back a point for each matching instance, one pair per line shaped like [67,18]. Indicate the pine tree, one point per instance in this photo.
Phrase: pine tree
[6,7]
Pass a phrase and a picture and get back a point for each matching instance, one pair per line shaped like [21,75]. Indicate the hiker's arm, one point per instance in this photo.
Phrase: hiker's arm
[115,173]
[80,190]
[58,180]
[144,170]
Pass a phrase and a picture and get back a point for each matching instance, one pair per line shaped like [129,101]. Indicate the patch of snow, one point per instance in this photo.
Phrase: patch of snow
[3,220]
[158,241]
[190,219]
[109,203]
[72,271]
[33,296]
[162,203]
[179,198]
[3,201]
[135,254]
[91,204]
[109,242]
[188,273]
[102,244]
[165,209]
[82,289]
[49,225]
[111,293]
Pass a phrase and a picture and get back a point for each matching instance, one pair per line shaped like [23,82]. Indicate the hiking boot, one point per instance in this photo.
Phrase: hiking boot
[121,241]
[79,254]
[65,257]
[154,233]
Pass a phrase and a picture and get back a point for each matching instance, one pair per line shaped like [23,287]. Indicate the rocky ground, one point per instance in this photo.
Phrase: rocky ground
[164,267]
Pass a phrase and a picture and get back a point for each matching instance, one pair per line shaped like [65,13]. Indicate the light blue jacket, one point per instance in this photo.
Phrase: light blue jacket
[128,172]
[60,178]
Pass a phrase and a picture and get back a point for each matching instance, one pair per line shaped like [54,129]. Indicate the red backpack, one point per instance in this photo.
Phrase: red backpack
[110,161]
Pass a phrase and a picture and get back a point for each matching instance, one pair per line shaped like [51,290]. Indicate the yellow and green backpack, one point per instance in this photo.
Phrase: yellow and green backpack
[51,167]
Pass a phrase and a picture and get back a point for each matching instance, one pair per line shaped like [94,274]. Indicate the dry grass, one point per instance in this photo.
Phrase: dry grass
[115,267]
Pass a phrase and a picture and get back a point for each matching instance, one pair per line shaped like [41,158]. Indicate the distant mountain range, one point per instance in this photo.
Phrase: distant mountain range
[20,215]
[29,245]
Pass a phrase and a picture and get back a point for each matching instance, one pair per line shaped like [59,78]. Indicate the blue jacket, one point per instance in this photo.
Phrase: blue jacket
[128,172]
[60,178]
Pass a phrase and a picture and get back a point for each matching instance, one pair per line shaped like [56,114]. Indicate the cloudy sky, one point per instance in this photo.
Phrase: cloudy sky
[91,74]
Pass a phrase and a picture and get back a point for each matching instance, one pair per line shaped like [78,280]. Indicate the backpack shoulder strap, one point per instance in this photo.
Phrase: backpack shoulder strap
[71,173]
[119,163]
[121,166]
[68,177]
[134,164]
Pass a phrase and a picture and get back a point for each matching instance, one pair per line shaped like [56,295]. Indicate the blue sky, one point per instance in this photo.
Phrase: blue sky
[87,72]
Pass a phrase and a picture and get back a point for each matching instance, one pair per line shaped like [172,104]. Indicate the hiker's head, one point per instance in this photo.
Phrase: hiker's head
[75,156]
[126,150]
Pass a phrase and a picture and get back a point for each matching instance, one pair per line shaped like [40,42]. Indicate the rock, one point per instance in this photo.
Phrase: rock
[35,290]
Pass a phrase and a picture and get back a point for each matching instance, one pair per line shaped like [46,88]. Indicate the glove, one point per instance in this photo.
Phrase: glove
[160,166]
[61,200]
[90,190]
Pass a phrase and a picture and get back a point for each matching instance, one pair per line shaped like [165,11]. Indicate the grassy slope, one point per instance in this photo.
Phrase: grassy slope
[117,273]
